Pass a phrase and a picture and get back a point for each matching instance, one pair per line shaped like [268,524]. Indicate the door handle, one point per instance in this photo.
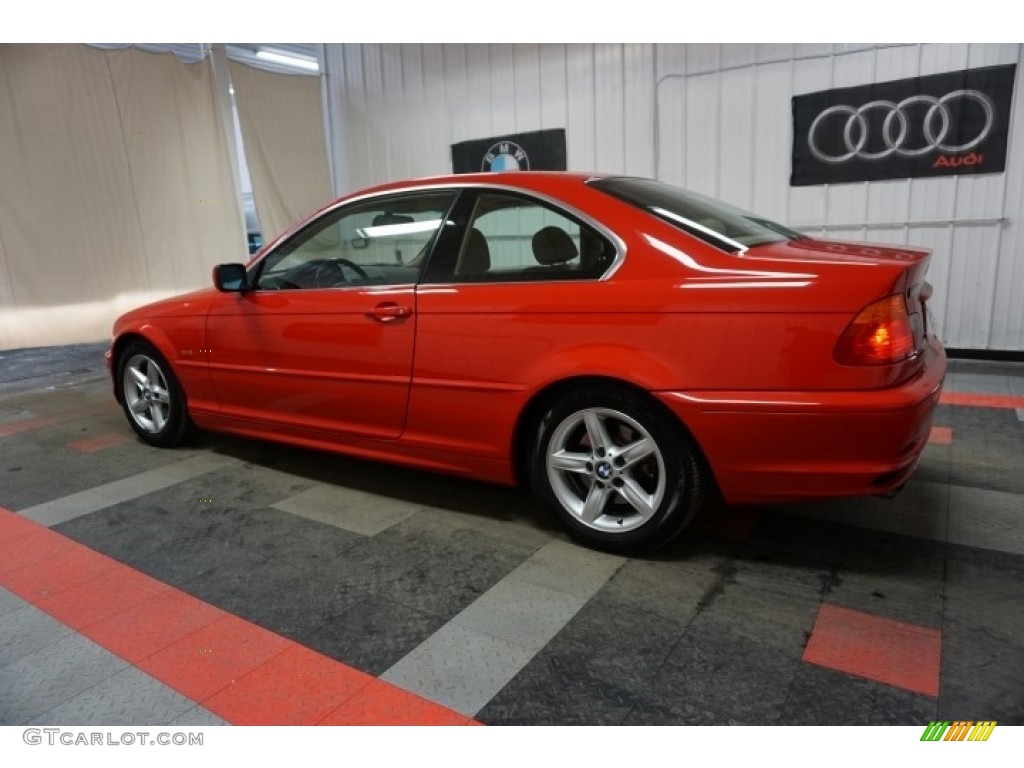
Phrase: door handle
[389,312]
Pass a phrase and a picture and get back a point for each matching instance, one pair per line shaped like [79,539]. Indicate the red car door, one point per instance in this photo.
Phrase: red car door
[324,338]
[337,360]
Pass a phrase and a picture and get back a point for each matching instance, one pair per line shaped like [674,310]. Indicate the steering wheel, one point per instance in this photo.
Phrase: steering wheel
[331,272]
[353,266]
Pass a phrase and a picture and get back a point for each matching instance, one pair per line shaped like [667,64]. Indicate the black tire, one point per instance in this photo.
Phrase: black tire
[156,408]
[666,485]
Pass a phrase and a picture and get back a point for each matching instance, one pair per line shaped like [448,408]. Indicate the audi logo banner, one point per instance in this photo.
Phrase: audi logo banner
[937,125]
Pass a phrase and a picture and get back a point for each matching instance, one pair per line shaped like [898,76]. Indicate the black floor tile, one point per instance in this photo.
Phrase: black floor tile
[561,689]
[372,634]
[987,449]
[982,676]
[735,661]
[985,591]
[897,577]
[596,670]
[715,678]
[821,696]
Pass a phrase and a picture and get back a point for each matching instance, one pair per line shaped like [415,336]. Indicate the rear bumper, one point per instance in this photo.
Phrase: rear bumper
[787,446]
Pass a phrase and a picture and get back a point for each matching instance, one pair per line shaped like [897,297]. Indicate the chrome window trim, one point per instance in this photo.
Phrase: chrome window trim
[735,248]
[617,242]
[327,211]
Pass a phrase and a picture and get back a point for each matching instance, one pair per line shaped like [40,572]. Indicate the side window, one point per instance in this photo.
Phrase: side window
[511,238]
[379,242]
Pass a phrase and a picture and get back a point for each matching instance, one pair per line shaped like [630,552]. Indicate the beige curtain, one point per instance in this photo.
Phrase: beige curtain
[285,149]
[115,187]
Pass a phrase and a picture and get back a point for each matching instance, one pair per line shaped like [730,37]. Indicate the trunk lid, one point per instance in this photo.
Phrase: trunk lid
[901,270]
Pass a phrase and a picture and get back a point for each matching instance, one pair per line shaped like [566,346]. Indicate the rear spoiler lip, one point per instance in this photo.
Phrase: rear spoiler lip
[812,250]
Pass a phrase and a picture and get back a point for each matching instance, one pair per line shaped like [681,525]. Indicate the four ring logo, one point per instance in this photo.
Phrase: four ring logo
[909,128]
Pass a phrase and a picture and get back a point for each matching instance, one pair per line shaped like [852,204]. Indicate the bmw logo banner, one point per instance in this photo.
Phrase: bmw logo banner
[534,151]
[937,125]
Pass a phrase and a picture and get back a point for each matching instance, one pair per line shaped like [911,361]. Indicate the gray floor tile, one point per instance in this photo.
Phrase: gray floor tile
[198,716]
[569,568]
[977,382]
[41,681]
[131,697]
[82,503]
[459,667]
[520,612]
[1015,380]
[26,463]
[523,527]
[352,510]
[668,589]
[25,631]
[10,602]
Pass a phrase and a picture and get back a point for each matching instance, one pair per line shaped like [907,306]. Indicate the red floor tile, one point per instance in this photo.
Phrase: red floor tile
[101,597]
[67,568]
[29,550]
[241,672]
[981,401]
[381,703]
[296,687]
[891,652]
[14,526]
[94,444]
[941,435]
[152,625]
[214,657]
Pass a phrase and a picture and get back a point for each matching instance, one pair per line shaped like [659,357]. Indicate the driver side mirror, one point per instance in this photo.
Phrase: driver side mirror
[231,278]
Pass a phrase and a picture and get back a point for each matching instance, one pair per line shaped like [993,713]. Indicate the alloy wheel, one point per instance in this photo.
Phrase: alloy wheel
[146,393]
[606,470]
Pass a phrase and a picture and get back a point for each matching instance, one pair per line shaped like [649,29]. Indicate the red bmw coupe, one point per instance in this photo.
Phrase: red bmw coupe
[621,345]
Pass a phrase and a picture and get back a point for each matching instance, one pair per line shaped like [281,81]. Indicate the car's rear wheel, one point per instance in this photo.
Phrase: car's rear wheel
[151,396]
[616,468]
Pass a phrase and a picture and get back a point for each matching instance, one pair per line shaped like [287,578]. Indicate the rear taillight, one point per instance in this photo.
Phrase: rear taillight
[879,335]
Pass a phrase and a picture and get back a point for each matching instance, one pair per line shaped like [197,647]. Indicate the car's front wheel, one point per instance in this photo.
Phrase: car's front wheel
[151,396]
[616,469]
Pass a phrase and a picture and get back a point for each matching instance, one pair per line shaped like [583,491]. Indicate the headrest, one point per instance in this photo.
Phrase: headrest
[476,259]
[552,245]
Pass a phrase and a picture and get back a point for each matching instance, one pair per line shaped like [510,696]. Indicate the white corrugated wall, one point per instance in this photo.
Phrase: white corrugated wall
[714,118]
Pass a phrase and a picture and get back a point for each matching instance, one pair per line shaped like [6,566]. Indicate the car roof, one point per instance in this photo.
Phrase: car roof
[528,179]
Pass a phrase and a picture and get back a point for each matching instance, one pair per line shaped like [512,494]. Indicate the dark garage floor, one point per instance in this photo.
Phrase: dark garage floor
[243,582]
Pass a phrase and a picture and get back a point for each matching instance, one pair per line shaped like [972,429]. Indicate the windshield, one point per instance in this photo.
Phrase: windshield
[723,226]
